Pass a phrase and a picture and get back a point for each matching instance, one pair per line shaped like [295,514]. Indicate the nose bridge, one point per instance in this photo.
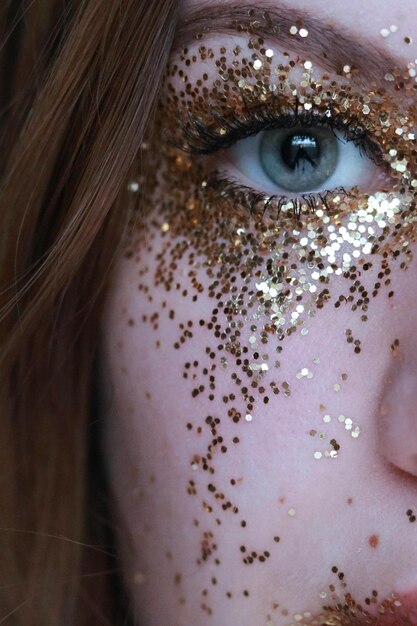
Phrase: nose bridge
[396,419]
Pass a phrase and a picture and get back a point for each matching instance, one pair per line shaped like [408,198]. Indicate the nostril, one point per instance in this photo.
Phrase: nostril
[397,415]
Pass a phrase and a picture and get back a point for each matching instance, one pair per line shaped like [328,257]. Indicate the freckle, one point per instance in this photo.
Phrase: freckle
[349,501]
[373,541]
[281,499]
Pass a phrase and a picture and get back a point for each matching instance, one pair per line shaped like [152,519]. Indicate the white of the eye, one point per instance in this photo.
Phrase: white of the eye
[352,169]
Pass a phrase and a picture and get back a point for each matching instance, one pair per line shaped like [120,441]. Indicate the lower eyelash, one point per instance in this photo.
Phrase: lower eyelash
[256,202]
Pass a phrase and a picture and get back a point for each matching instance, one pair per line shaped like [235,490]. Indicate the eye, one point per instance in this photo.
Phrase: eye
[298,160]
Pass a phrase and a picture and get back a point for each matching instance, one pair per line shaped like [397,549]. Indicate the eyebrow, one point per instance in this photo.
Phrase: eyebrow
[332,48]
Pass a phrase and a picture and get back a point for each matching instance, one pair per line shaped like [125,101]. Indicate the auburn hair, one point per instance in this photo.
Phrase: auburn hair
[78,84]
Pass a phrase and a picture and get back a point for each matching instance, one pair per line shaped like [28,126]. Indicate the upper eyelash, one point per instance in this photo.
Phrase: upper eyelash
[206,138]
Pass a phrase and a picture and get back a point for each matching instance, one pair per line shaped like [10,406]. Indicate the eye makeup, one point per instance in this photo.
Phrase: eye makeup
[270,262]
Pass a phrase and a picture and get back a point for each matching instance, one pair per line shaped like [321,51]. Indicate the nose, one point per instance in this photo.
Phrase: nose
[397,414]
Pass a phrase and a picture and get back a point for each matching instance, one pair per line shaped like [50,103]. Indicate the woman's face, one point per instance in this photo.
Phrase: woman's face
[260,338]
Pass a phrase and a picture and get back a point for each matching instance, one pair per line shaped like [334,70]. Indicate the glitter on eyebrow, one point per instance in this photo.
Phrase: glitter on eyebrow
[293,30]
[165,227]
[308,65]
[303,32]
[257,64]
[269,53]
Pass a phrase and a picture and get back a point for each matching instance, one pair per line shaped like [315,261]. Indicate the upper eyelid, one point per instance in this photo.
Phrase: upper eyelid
[205,139]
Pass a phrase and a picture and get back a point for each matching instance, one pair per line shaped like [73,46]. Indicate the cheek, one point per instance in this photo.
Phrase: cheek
[216,453]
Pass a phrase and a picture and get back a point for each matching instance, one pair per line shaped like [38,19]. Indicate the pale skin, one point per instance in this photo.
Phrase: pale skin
[348,512]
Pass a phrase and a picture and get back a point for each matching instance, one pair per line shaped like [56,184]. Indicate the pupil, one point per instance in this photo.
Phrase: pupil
[299,150]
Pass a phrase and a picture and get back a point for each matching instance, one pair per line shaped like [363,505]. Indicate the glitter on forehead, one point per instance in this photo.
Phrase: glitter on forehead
[269,264]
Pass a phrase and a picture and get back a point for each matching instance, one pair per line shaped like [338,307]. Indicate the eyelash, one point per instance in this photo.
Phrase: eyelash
[199,138]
